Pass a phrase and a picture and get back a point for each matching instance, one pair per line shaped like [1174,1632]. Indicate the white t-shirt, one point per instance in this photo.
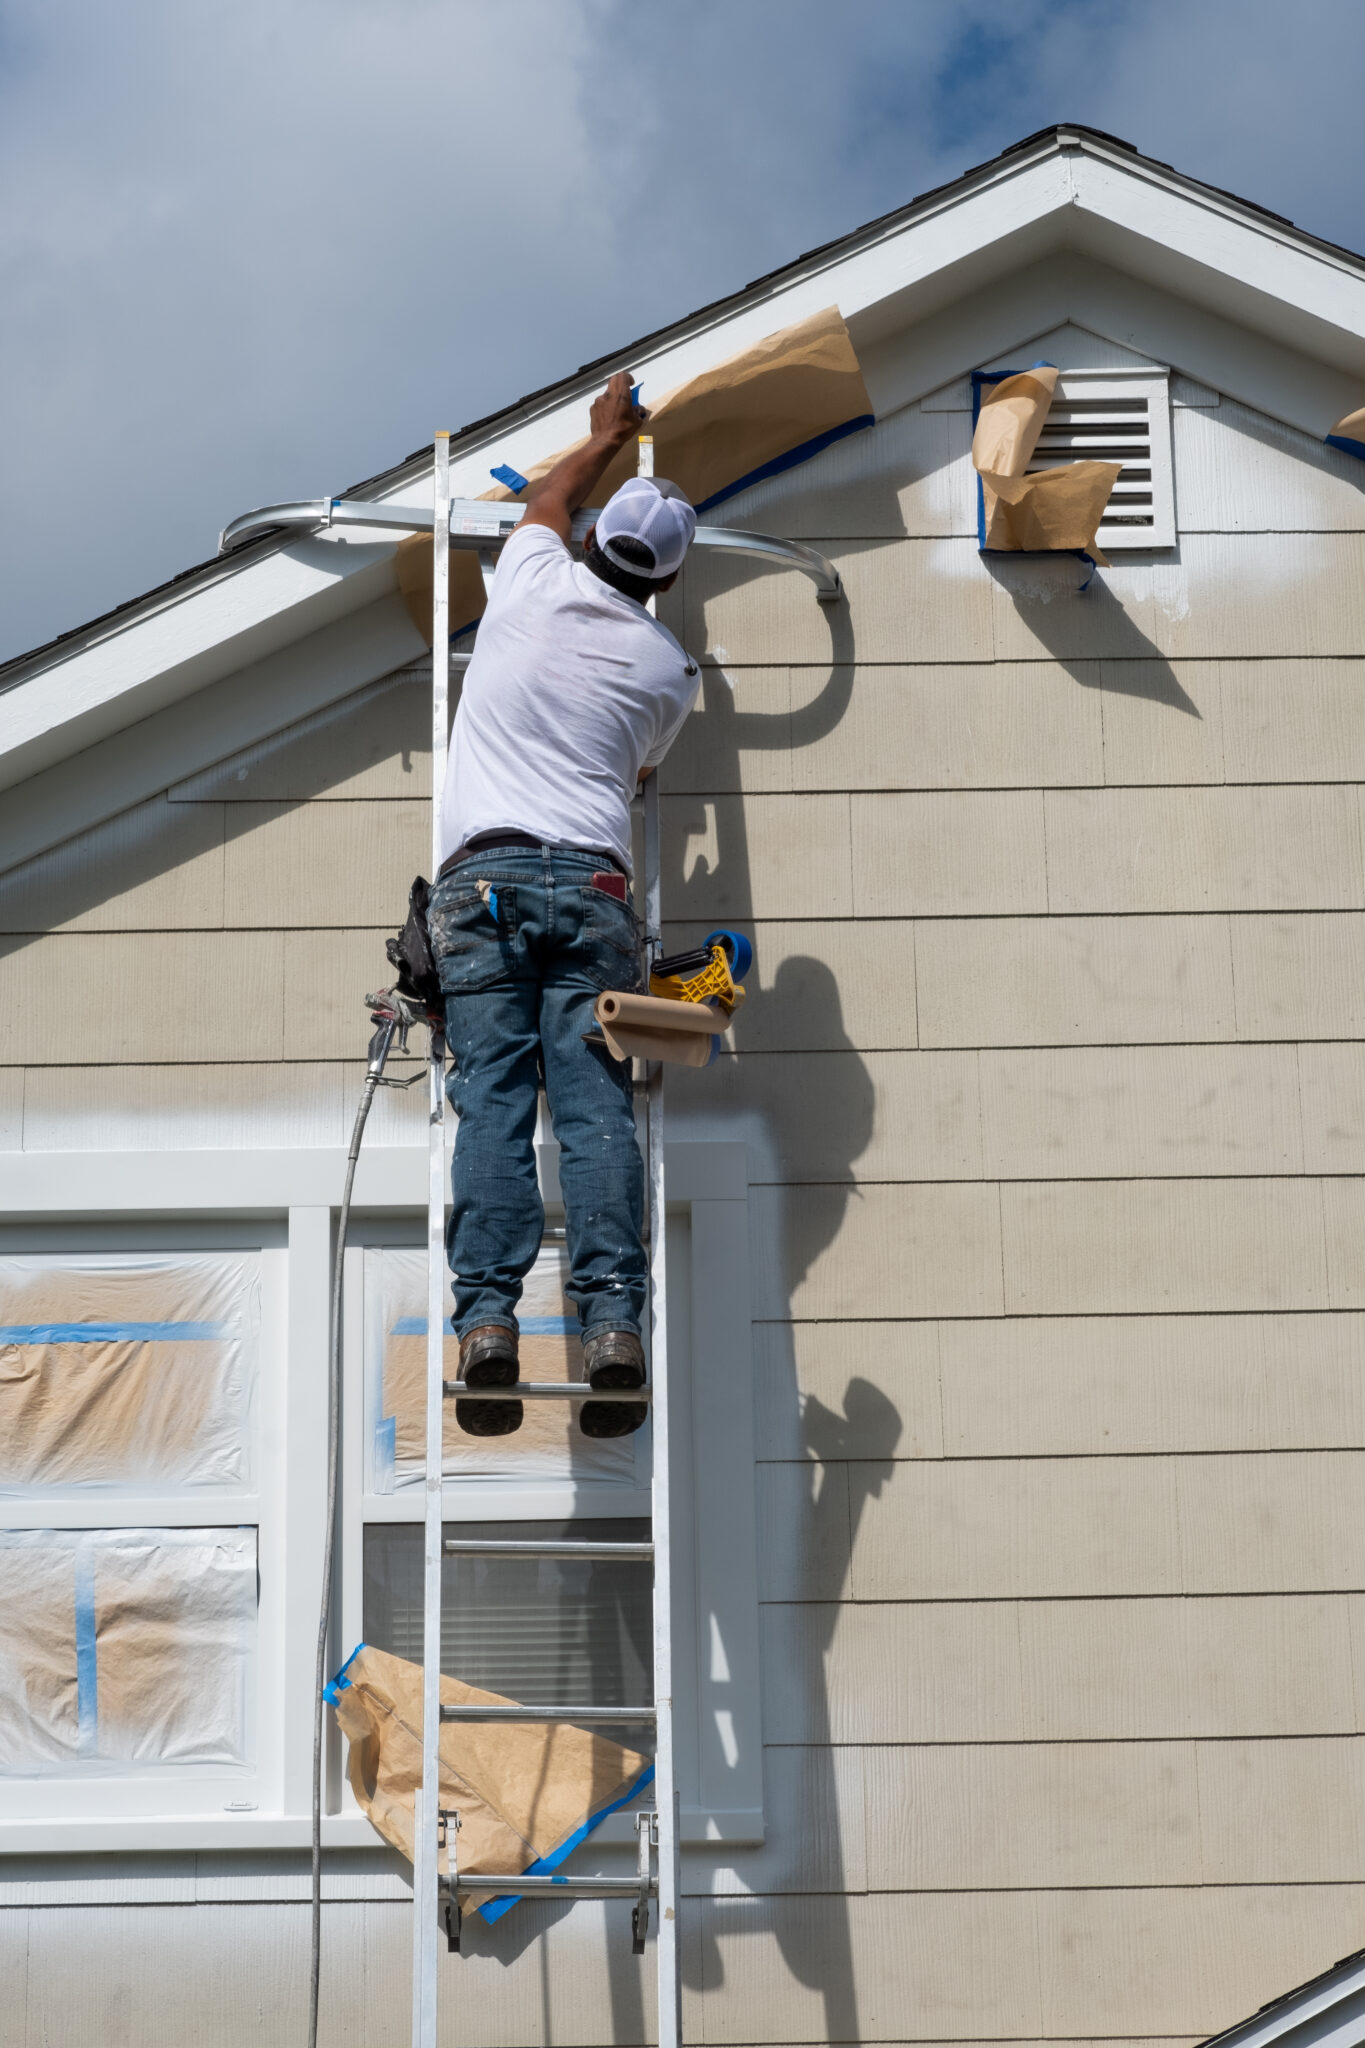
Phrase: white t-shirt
[573,689]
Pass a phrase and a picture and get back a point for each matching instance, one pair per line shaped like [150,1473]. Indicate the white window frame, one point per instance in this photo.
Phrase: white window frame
[205,1791]
[285,1201]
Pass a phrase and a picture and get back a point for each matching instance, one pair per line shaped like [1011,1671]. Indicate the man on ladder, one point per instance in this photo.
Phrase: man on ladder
[575,691]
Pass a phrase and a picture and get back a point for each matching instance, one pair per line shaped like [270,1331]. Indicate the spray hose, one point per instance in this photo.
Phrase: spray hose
[393,1015]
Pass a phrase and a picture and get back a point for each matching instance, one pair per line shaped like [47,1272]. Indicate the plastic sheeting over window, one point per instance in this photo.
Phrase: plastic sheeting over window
[131,1372]
[549,1444]
[125,1648]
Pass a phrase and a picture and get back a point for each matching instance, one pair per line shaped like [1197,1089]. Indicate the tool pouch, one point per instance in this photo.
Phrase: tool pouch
[410,952]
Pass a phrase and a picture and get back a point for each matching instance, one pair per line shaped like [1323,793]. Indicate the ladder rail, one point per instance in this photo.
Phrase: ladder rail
[427,1886]
[425,1815]
[668,1876]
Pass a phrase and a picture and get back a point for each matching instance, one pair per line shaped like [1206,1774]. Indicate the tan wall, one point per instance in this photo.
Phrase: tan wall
[1054,1084]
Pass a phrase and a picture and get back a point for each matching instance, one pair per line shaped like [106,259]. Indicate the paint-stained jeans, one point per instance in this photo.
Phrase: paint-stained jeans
[522,960]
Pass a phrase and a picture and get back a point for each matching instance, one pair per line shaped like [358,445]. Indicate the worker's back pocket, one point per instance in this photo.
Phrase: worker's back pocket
[612,939]
[473,933]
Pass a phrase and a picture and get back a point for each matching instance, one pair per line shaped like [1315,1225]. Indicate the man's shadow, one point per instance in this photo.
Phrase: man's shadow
[832,1479]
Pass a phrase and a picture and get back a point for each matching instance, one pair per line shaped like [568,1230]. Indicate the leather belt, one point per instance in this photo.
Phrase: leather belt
[489,842]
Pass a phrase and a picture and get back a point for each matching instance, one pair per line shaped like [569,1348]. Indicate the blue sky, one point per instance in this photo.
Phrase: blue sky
[260,251]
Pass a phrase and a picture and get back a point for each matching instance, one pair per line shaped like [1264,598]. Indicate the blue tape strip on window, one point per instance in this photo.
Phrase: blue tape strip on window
[87,1670]
[979,379]
[546,1865]
[803,452]
[112,1333]
[1346,445]
[335,1687]
[505,474]
[530,1326]
[385,1452]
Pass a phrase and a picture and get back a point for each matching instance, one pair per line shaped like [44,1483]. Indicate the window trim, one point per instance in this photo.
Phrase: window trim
[185,1194]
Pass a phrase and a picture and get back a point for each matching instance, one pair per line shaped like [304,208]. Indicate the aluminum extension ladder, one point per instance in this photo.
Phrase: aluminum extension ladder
[658,1872]
[483,525]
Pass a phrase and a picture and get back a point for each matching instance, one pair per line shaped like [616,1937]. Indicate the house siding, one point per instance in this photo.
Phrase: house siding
[1052,1079]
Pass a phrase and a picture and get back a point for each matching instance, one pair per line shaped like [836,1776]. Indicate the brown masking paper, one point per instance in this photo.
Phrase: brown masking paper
[1054,509]
[549,1445]
[1351,429]
[520,1788]
[126,1372]
[747,411]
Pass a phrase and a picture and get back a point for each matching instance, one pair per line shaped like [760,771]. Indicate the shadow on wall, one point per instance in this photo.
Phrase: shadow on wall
[1083,627]
[798,1003]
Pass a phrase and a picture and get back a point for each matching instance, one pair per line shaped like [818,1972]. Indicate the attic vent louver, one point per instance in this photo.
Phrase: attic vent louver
[1117,416]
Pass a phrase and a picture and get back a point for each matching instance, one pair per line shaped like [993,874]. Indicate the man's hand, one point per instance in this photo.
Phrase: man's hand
[613,419]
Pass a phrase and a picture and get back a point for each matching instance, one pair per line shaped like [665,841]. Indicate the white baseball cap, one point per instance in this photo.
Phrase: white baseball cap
[653,512]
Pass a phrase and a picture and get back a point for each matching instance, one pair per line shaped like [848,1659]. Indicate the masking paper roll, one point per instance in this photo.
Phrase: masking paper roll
[652,1028]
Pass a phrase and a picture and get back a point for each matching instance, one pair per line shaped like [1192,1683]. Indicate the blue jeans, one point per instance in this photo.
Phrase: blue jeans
[522,962]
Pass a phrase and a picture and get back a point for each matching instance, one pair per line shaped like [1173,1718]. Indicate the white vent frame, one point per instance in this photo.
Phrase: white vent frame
[1121,389]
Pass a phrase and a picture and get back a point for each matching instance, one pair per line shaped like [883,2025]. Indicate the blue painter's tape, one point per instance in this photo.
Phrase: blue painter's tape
[1346,445]
[332,1691]
[505,474]
[544,1866]
[530,1326]
[803,452]
[87,1666]
[385,1452]
[112,1333]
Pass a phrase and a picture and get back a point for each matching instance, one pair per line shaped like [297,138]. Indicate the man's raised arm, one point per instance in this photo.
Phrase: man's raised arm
[613,419]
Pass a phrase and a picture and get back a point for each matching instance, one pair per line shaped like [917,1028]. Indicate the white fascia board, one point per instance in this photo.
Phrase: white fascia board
[1324,2015]
[1259,270]
[999,221]
[250,705]
[68,700]
[1166,329]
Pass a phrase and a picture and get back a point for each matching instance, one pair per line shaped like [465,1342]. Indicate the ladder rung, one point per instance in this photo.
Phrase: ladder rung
[571,1887]
[544,1390]
[475,1546]
[624,1715]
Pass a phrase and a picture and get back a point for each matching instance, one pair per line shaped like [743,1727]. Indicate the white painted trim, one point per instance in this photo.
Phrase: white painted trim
[37,1185]
[992,325]
[257,702]
[95,1835]
[707,1191]
[1276,286]
[209,634]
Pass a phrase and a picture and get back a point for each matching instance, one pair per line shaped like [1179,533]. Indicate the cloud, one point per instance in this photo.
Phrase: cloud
[261,252]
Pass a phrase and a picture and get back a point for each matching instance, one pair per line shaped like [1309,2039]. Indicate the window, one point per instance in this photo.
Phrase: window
[543,1630]
[1117,416]
[162,1490]
[129,1526]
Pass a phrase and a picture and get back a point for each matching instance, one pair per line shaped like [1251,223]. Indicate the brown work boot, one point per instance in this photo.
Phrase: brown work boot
[488,1358]
[613,1358]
